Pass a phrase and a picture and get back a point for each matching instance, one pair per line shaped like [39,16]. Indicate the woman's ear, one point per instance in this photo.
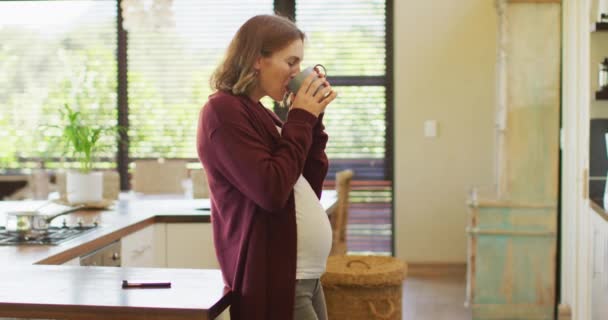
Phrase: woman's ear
[257,64]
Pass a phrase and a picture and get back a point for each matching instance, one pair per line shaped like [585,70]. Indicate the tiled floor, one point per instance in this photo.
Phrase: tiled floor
[435,298]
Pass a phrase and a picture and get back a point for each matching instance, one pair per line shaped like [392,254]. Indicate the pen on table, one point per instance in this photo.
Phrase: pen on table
[127,284]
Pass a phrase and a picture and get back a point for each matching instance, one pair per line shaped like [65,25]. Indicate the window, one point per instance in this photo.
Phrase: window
[57,51]
[350,39]
[169,71]
[51,53]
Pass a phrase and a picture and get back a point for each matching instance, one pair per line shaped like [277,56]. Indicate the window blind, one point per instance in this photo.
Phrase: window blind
[64,51]
[349,39]
[169,73]
[348,36]
[53,53]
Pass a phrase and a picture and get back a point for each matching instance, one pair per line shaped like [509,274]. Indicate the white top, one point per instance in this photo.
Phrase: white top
[313,232]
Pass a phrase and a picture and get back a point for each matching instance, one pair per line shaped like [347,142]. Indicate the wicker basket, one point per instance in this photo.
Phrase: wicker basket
[363,287]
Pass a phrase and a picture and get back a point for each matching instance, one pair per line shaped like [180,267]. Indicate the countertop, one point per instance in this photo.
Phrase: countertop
[35,286]
[122,218]
[74,292]
[95,293]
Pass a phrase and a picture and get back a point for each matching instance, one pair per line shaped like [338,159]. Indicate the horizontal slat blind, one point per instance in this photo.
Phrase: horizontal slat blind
[355,122]
[52,53]
[169,73]
[348,38]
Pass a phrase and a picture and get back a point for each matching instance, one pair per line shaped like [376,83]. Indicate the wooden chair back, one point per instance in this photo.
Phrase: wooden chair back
[200,187]
[339,218]
[159,176]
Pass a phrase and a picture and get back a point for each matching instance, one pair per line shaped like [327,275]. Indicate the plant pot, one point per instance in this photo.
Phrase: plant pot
[39,184]
[84,188]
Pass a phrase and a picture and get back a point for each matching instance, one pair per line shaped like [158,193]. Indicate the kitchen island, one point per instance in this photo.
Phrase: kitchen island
[35,286]
[74,292]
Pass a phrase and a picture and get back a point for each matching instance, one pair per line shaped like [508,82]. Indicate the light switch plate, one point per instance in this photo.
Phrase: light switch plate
[430,128]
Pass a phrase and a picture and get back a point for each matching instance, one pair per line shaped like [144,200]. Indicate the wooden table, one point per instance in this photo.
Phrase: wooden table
[73,292]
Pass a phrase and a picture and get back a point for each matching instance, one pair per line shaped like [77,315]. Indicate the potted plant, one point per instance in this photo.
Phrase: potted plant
[82,142]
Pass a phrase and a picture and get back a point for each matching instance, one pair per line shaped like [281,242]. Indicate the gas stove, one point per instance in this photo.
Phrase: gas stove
[52,236]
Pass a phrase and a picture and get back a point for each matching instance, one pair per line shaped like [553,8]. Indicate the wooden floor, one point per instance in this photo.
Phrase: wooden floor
[435,298]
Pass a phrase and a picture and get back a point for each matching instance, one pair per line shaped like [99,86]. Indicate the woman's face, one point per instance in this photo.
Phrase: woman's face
[276,70]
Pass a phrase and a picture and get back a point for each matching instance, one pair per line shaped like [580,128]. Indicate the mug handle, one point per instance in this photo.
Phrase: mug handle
[320,65]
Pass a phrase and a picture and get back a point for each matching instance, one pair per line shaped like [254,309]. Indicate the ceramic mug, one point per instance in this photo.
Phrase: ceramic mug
[295,83]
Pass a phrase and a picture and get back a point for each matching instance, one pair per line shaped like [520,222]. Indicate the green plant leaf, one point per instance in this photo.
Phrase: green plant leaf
[81,140]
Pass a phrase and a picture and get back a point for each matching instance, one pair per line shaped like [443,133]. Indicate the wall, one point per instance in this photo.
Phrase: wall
[445,53]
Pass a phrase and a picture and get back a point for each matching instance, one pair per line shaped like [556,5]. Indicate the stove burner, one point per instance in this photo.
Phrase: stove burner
[53,236]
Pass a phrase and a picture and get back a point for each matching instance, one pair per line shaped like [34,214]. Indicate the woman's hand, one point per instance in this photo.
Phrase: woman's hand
[312,99]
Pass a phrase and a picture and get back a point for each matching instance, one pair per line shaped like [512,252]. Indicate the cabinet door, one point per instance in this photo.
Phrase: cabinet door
[190,245]
[145,247]
[599,281]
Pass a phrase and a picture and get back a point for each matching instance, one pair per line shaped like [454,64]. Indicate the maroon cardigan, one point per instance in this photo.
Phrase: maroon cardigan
[251,170]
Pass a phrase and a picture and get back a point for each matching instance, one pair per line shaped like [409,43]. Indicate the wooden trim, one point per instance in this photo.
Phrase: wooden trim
[512,232]
[509,204]
[435,269]
[471,259]
[513,311]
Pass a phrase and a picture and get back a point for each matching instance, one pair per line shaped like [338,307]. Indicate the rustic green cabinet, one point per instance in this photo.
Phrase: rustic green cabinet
[512,232]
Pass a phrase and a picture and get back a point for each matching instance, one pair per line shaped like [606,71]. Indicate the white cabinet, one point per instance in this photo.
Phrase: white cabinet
[599,281]
[171,245]
[190,245]
[145,247]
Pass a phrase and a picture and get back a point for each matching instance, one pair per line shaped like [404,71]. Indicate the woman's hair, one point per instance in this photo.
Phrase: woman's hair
[261,35]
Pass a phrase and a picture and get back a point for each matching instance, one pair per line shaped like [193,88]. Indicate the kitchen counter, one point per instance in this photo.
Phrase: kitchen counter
[33,286]
[124,217]
[95,293]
